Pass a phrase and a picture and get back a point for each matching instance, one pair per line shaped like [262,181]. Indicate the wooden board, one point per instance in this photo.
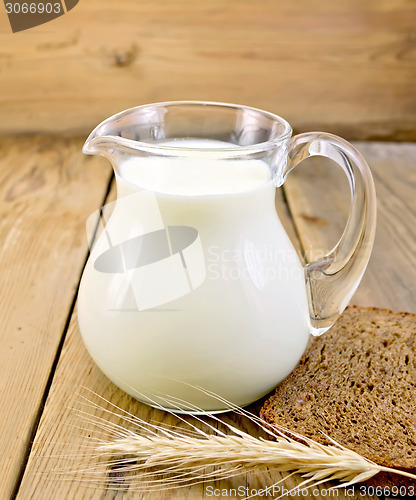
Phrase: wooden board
[318,199]
[319,212]
[342,67]
[47,189]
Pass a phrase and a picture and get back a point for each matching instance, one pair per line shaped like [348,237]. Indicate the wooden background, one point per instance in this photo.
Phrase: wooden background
[345,67]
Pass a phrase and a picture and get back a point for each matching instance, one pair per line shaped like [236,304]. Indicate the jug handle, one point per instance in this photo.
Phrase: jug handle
[332,280]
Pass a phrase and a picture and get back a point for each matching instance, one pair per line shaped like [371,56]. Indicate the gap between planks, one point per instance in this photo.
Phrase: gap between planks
[55,363]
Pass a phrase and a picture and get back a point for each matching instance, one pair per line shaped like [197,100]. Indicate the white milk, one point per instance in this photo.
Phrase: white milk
[241,325]
[185,176]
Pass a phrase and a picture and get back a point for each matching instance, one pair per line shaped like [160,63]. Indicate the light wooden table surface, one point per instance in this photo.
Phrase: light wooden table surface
[345,67]
[47,190]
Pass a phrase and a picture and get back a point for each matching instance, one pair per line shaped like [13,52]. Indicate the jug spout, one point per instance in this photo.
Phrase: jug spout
[109,143]
[104,140]
[126,131]
[97,146]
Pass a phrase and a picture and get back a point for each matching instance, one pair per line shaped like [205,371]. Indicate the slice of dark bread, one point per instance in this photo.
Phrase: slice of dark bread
[357,383]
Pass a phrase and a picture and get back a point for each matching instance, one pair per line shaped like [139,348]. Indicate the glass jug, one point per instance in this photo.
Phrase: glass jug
[193,294]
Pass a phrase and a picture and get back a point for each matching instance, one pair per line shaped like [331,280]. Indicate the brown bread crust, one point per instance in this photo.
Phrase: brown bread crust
[357,383]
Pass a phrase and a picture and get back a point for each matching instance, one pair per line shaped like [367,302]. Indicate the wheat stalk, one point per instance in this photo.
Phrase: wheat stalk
[153,456]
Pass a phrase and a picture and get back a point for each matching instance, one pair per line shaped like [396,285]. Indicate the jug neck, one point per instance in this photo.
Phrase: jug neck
[165,130]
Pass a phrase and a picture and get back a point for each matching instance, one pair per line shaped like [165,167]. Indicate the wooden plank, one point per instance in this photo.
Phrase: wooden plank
[318,198]
[47,189]
[60,445]
[57,441]
[342,67]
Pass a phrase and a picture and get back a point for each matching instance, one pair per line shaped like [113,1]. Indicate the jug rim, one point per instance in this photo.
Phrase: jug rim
[236,150]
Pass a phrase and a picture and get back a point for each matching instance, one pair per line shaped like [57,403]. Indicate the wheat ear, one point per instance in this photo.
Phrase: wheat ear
[152,456]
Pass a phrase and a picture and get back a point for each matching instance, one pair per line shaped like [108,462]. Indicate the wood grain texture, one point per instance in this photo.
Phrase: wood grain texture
[60,444]
[47,189]
[342,67]
[318,196]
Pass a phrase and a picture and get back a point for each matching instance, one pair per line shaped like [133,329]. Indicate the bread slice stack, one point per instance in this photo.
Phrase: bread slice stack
[357,384]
